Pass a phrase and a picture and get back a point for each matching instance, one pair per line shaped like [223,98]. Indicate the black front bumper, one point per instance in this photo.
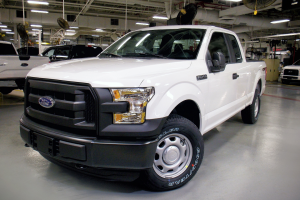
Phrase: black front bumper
[64,147]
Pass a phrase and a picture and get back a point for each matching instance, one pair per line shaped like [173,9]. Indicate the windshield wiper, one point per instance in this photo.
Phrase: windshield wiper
[150,54]
[110,54]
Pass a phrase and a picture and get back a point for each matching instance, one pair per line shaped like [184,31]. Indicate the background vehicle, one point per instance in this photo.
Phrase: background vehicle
[66,52]
[290,73]
[141,108]
[14,68]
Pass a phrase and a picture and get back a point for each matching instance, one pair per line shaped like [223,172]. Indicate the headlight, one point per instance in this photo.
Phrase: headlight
[137,99]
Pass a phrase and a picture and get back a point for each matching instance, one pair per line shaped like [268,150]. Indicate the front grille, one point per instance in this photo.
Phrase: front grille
[291,72]
[74,109]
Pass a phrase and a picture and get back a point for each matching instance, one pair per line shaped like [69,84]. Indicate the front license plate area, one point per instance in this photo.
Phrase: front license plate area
[43,144]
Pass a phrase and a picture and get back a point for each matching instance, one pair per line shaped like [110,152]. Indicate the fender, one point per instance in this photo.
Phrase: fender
[259,76]
[165,101]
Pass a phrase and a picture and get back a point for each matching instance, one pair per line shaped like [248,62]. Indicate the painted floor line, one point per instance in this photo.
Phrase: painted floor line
[281,97]
[282,88]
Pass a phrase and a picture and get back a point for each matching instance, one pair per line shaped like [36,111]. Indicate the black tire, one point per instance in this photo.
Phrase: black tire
[6,90]
[178,127]
[285,81]
[249,115]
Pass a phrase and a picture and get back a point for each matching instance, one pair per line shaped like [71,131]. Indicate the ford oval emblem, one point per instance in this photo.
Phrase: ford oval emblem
[46,102]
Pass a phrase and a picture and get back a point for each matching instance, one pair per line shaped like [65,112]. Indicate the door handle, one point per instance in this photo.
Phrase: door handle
[24,64]
[235,76]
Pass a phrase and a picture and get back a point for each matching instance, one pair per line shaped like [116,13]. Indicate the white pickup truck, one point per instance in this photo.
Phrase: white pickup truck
[139,110]
[14,68]
[290,73]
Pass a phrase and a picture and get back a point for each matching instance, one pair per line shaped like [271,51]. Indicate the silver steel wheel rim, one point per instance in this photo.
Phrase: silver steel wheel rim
[256,107]
[173,155]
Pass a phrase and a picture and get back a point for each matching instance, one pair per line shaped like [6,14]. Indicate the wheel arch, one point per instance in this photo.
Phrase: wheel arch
[184,99]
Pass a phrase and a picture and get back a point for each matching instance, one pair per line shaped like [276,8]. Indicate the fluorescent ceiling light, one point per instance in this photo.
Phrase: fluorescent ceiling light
[298,40]
[11,33]
[38,2]
[12,39]
[96,35]
[91,44]
[70,34]
[294,3]
[70,30]
[105,45]
[35,29]
[280,35]
[35,25]
[159,17]
[280,21]
[234,0]
[74,27]
[4,29]
[39,11]
[3,26]
[99,29]
[67,40]
[142,23]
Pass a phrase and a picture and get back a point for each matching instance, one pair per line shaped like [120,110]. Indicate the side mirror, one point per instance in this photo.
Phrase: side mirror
[219,63]
[24,57]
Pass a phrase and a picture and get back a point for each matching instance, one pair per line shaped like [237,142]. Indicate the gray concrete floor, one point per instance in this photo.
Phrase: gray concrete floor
[260,161]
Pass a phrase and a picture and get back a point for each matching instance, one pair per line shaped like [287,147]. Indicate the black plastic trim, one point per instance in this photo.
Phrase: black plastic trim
[115,107]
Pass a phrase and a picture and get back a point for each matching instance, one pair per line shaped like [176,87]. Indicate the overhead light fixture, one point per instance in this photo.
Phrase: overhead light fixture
[70,30]
[234,0]
[4,29]
[96,35]
[11,39]
[70,34]
[99,30]
[297,40]
[104,45]
[142,23]
[11,33]
[38,2]
[35,29]
[280,35]
[3,26]
[35,25]
[159,17]
[39,11]
[280,21]
[91,44]
[74,27]
[67,40]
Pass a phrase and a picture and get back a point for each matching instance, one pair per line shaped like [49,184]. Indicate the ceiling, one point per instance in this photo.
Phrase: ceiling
[222,13]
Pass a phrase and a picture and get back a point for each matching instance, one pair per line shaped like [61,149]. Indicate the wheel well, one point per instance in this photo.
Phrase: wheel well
[189,110]
[259,84]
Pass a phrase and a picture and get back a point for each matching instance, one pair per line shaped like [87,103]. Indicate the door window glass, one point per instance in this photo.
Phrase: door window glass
[49,53]
[218,44]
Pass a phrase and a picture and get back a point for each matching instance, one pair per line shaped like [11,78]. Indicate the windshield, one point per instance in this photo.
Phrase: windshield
[297,62]
[175,44]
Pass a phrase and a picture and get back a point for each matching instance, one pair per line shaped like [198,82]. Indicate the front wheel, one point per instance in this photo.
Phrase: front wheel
[178,155]
[250,113]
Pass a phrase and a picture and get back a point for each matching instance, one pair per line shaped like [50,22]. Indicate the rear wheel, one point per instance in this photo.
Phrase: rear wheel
[178,155]
[250,113]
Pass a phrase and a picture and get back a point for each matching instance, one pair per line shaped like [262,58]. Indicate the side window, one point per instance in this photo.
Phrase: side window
[236,49]
[218,44]
[49,53]
[62,53]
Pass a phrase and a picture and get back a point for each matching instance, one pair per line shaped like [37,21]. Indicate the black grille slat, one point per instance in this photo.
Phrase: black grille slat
[291,72]
[90,111]
[75,105]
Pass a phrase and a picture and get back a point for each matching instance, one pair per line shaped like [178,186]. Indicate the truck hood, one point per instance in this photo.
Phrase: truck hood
[109,72]
[292,67]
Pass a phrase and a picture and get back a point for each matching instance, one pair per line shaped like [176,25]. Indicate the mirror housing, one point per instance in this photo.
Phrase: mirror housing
[24,57]
[219,63]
